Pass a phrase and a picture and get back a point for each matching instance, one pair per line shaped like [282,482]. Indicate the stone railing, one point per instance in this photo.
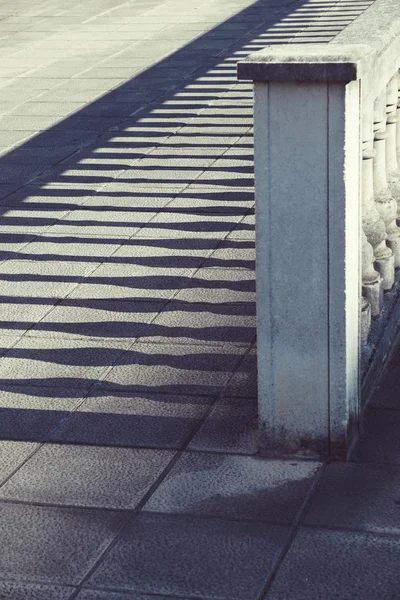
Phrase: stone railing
[327,137]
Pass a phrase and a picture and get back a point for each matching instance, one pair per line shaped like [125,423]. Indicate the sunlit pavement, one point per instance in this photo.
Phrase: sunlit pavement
[128,461]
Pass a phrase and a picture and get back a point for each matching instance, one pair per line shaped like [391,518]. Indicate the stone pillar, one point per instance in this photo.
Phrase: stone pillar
[307,177]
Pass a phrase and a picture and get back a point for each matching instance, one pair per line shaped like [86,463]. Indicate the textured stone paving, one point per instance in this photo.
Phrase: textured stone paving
[128,466]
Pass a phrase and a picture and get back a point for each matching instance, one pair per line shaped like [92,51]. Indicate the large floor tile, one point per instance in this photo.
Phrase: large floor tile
[245,230]
[88,594]
[203,324]
[7,188]
[113,320]
[220,286]
[135,282]
[87,476]
[53,545]
[237,487]
[233,254]
[203,225]
[129,204]
[164,253]
[387,394]
[325,565]
[209,204]
[25,281]
[118,419]
[81,249]
[59,363]
[11,590]
[102,222]
[358,496]
[244,382]
[12,244]
[53,270]
[175,368]
[231,426]
[19,315]
[31,413]
[379,441]
[176,555]
[6,341]
[13,454]
[19,220]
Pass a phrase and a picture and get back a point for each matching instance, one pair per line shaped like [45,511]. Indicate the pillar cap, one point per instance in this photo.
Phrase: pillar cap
[305,62]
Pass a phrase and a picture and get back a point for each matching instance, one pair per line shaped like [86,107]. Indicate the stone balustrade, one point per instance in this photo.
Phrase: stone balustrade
[327,143]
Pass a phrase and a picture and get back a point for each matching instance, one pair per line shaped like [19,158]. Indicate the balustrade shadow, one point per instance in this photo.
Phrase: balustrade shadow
[161,227]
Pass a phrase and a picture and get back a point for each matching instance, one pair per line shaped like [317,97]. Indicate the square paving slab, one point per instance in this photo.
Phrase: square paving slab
[87,476]
[59,363]
[324,564]
[107,595]
[235,487]
[31,413]
[121,419]
[11,590]
[53,544]
[175,368]
[203,324]
[186,556]
[379,441]
[12,455]
[358,496]
[110,320]
[231,426]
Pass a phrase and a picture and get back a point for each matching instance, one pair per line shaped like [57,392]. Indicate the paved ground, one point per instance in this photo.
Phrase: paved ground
[127,377]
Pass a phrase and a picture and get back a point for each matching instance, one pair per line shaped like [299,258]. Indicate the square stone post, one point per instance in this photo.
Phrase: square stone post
[308,276]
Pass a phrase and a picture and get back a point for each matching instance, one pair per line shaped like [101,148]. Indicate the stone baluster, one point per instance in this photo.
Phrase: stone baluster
[392,129]
[386,204]
[372,288]
[365,320]
[373,225]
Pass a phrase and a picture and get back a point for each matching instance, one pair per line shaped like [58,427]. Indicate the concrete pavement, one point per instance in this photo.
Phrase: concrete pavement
[128,466]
